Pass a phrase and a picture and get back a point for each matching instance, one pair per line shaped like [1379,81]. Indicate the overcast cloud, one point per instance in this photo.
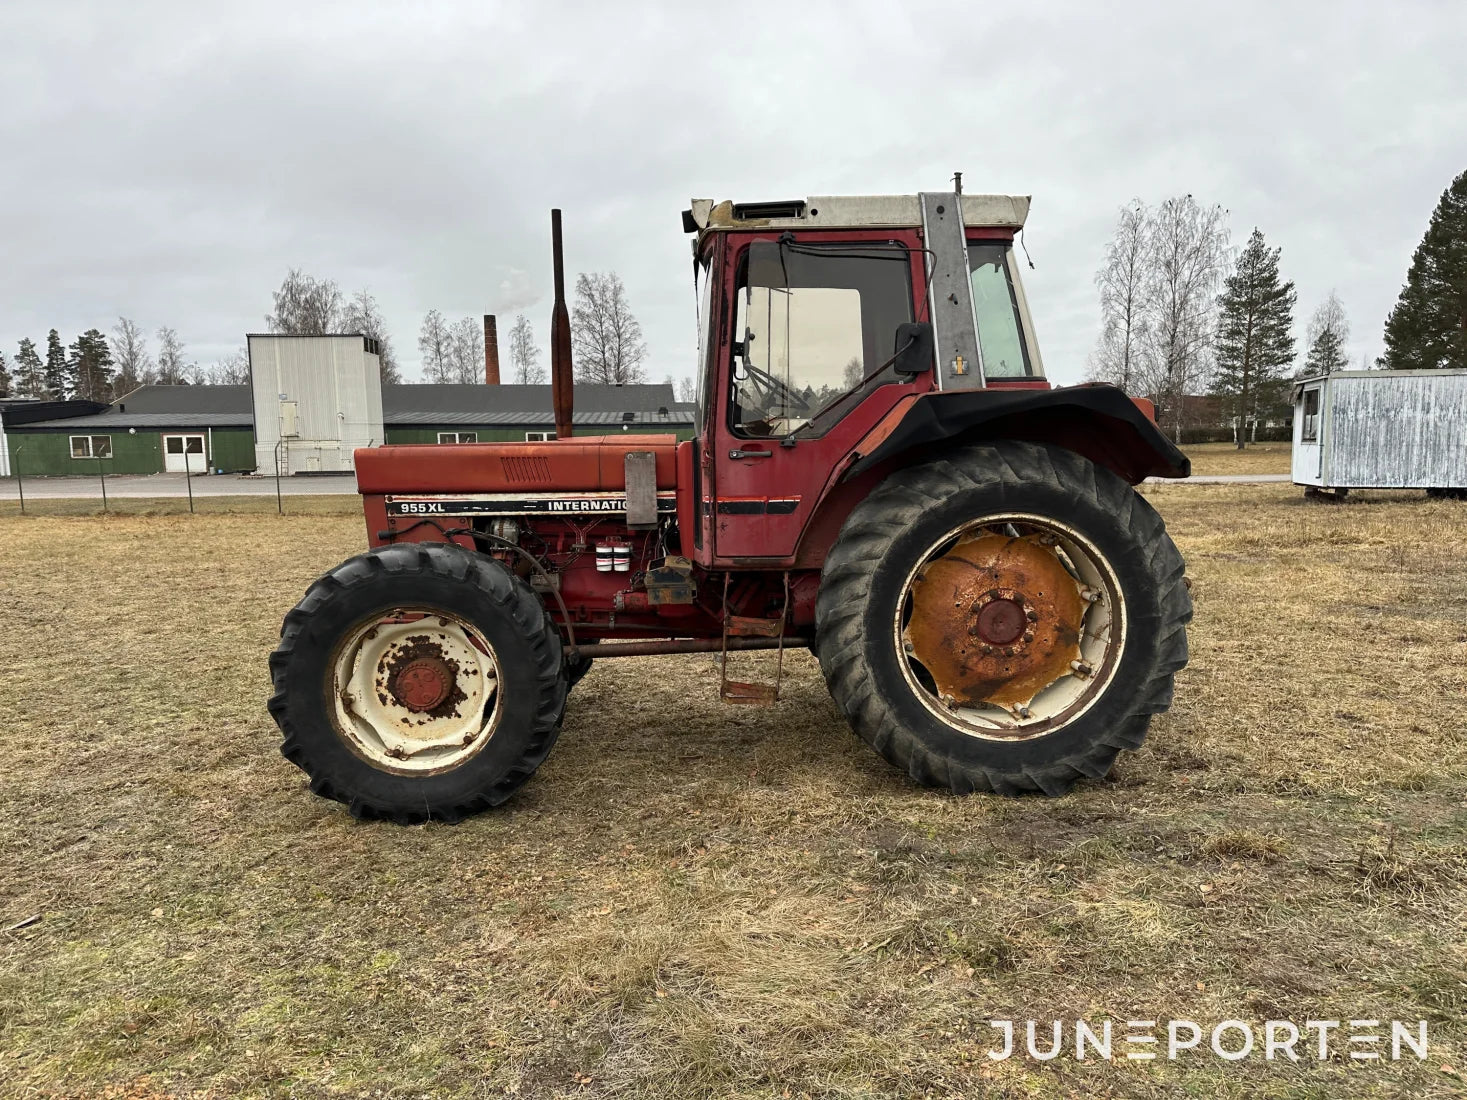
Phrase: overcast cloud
[169,161]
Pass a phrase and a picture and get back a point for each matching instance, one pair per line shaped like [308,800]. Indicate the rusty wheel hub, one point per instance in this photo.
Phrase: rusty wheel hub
[416,691]
[995,620]
[422,683]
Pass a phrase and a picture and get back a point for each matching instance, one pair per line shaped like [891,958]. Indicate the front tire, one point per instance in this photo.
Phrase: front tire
[1007,617]
[418,681]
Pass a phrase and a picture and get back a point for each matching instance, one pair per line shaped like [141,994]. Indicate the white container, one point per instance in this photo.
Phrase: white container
[1381,429]
[622,555]
[603,557]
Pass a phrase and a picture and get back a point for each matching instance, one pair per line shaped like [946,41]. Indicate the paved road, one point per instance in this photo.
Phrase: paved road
[232,485]
[1228,479]
[172,485]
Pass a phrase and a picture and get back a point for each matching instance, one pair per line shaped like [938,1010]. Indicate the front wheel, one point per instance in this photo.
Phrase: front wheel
[418,681]
[1005,618]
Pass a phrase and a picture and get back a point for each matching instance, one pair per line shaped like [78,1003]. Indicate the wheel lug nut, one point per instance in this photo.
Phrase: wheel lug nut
[1032,615]
[1091,595]
[1028,635]
[1084,668]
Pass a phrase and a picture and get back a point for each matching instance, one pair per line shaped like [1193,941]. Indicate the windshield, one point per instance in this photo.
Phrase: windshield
[996,308]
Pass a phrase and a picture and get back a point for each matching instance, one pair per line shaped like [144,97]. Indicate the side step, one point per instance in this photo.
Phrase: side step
[742,626]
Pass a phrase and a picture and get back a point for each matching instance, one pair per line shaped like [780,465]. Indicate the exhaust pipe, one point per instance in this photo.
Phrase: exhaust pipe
[561,398]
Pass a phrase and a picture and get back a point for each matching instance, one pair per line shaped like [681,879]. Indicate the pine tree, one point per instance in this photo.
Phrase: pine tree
[6,382]
[30,379]
[1326,354]
[1428,327]
[1255,340]
[55,367]
[89,367]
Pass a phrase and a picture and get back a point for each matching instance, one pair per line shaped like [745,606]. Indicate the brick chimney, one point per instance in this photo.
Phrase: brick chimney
[491,350]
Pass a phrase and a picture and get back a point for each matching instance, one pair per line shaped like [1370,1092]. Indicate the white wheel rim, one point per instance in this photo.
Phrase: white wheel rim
[415,691]
[1102,636]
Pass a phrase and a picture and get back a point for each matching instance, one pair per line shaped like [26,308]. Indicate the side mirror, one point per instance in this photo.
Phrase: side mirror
[915,349]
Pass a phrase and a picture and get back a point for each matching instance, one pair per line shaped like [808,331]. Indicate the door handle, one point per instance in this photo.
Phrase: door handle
[750,454]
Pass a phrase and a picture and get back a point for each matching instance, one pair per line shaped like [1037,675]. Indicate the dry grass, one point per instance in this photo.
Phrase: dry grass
[1211,459]
[691,900]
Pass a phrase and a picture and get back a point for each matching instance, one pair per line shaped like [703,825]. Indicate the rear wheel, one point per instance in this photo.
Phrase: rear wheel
[1005,618]
[416,682]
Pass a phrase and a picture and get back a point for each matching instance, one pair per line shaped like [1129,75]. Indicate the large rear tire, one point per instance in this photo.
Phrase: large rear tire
[418,681]
[1007,617]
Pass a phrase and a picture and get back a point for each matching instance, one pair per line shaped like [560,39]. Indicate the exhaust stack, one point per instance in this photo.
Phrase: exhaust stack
[491,350]
[560,341]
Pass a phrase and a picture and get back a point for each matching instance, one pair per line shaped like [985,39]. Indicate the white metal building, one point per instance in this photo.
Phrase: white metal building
[1381,429]
[316,399]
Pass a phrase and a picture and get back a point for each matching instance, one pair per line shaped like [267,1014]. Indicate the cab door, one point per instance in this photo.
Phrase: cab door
[812,321]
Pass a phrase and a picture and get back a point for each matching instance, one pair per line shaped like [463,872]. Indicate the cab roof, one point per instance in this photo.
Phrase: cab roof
[847,212]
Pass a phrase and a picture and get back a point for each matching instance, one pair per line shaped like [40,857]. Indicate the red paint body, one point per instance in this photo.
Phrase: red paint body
[745,545]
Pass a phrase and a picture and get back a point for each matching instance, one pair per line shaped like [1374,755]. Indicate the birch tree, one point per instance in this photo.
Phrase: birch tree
[606,339]
[435,345]
[1123,280]
[1327,335]
[130,355]
[1188,248]
[466,351]
[524,355]
[361,314]
[172,370]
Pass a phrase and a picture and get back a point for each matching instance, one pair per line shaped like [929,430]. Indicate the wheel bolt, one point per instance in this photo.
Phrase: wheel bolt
[1091,595]
[1084,668]
[1028,635]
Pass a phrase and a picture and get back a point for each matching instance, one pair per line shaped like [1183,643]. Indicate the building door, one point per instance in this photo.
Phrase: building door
[184,452]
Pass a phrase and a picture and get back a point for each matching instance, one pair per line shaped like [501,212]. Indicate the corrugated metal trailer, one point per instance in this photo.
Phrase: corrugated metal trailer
[1379,429]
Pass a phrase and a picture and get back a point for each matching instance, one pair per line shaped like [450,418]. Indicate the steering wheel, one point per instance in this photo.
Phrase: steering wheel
[771,392]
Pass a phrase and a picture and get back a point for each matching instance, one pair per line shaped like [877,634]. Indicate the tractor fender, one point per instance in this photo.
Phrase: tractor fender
[1098,422]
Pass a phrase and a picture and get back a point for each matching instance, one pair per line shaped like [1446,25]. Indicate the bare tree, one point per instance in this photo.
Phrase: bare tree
[524,355]
[466,351]
[362,315]
[1123,280]
[305,306]
[435,345]
[605,338]
[232,370]
[172,370]
[1189,249]
[130,356]
[1329,317]
[687,388]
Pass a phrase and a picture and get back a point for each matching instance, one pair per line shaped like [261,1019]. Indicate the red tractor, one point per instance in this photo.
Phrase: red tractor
[879,472]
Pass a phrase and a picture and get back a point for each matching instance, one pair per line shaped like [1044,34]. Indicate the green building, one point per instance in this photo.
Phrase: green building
[158,429]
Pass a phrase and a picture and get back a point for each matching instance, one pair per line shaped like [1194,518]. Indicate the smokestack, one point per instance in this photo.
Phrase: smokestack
[560,340]
[491,350]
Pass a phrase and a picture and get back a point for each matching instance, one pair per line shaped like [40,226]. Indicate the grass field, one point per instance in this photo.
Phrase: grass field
[1211,459]
[691,900]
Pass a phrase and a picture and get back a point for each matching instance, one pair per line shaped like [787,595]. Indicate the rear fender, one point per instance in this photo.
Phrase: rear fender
[1097,422]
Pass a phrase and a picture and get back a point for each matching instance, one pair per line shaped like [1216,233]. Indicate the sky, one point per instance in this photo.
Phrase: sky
[169,161]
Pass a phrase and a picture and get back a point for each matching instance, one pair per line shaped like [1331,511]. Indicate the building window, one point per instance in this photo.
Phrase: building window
[539,437]
[458,437]
[91,446]
[1310,430]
